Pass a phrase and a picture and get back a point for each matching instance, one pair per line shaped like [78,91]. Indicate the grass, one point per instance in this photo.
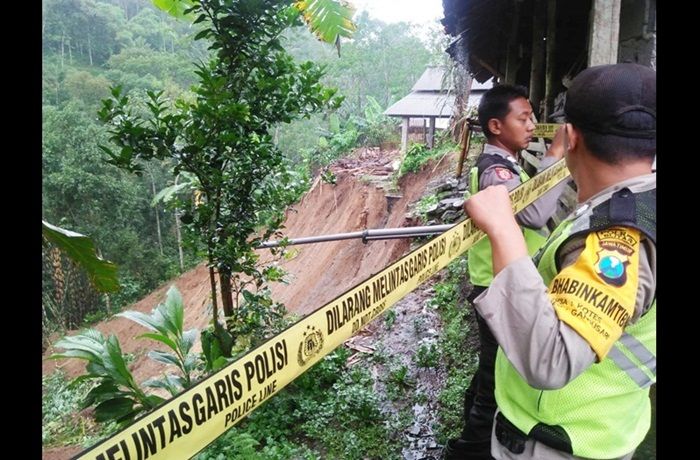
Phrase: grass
[455,346]
[62,422]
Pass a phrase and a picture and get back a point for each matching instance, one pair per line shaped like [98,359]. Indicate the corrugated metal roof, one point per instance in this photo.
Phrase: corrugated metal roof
[481,28]
[431,80]
[423,104]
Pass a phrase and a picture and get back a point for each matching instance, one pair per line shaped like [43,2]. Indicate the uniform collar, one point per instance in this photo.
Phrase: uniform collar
[635,184]
[493,150]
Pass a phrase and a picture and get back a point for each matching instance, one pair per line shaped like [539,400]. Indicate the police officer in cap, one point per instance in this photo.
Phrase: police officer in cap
[576,325]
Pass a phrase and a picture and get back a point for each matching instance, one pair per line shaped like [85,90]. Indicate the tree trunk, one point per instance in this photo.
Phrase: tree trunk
[214,304]
[179,239]
[387,95]
[162,34]
[155,206]
[226,295]
[126,9]
[63,48]
[178,234]
[90,49]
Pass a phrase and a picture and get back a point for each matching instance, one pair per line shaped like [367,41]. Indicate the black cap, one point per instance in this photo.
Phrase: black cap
[617,99]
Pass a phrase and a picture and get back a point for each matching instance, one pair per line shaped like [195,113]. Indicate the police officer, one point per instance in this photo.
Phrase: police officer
[505,115]
[576,327]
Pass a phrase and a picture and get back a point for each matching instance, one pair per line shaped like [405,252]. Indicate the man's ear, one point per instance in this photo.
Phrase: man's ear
[573,137]
[495,126]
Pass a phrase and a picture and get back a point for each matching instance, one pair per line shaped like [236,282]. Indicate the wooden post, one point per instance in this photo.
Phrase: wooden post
[466,136]
[404,134]
[604,32]
[551,37]
[537,63]
[512,60]
[431,132]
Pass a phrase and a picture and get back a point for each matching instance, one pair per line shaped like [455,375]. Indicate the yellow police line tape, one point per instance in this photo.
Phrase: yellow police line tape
[184,425]
[546,130]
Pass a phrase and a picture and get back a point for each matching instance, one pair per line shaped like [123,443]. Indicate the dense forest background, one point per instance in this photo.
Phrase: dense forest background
[90,46]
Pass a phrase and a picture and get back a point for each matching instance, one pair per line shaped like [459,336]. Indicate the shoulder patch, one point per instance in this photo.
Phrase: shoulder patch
[503,173]
[596,295]
[615,247]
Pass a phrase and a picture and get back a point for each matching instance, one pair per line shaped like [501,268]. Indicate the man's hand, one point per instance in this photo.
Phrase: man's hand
[491,210]
[558,147]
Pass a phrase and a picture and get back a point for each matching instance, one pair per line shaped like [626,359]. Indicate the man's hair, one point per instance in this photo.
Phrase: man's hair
[614,106]
[616,149]
[495,103]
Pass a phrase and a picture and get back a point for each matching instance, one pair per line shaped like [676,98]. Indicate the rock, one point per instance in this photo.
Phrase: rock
[450,216]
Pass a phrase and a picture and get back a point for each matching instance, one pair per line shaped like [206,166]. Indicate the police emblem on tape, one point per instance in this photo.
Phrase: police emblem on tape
[310,345]
[616,247]
[454,246]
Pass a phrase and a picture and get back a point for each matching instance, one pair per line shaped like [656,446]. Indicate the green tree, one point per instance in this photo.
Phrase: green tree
[382,61]
[223,139]
[83,193]
[379,65]
[83,29]
[327,19]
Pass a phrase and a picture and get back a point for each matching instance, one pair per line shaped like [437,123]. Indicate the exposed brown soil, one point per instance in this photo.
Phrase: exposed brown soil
[318,273]
[61,453]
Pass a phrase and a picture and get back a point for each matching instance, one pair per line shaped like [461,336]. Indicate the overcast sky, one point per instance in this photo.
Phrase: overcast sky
[416,11]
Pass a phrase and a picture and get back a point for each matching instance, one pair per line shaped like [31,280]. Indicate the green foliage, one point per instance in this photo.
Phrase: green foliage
[457,346]
[237,443]
[451,402]
[419,154]
[140,67]
[348,423]
[427,355]
[416,156]
[375,127]
[256,318]
[426,203]
[81,249]
[81,85]
[328,19]
[175,8]
[222,138]
[84,31]
[59,402]
[398,381]
[328,176]
[84,194]
[383,61]
[68,295]
[117,397]
[390,318]
[217,344]
[327,412]
[166,322]
[380,64]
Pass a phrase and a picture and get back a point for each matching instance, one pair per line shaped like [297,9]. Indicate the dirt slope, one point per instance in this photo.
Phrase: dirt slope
[319,272]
